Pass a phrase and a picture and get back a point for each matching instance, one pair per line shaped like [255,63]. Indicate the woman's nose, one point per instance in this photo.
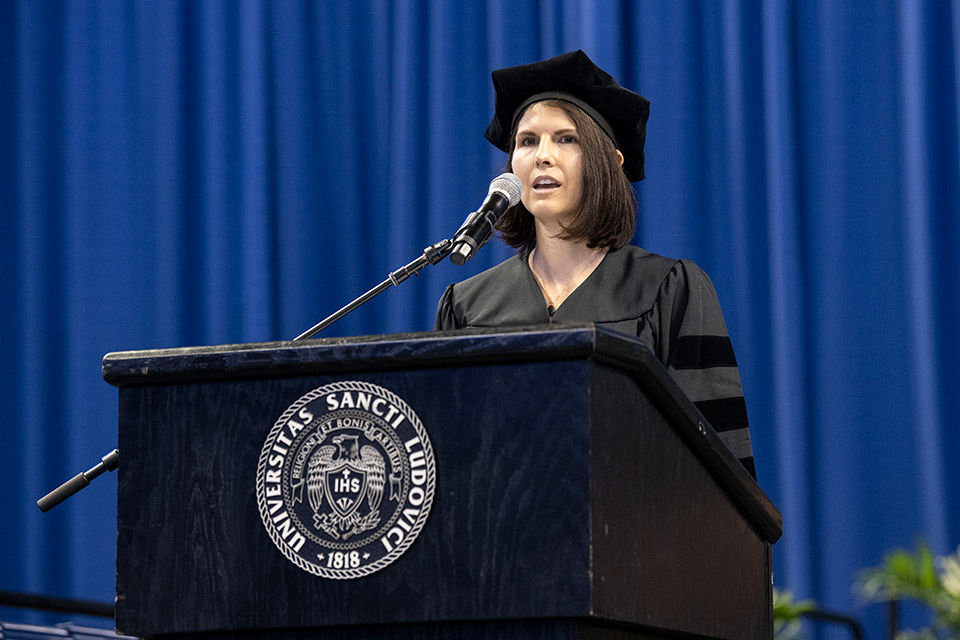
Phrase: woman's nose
[546,152]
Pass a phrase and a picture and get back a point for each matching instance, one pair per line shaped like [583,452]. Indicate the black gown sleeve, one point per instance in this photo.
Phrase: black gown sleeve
[446,317]
[686,328]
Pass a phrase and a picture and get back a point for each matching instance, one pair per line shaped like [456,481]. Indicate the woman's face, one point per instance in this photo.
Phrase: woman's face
[547,159]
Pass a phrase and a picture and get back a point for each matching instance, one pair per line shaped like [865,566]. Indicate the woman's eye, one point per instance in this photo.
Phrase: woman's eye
[568,139]
[526,142]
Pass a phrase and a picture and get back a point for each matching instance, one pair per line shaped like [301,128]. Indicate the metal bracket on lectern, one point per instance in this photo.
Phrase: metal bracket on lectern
[108,462]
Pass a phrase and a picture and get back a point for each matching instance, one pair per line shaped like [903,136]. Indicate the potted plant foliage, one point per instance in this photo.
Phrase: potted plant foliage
[787,615]
[918,575]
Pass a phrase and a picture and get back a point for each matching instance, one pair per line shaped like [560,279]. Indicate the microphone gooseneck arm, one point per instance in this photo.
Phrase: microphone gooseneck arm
[433,254]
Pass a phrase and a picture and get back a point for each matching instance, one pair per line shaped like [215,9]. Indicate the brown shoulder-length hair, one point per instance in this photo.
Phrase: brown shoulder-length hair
[607,216]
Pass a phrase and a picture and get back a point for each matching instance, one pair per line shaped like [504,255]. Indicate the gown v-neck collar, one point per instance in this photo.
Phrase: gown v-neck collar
[534,287]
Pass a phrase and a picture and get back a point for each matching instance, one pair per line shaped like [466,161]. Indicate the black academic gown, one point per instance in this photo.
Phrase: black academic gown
[669,304]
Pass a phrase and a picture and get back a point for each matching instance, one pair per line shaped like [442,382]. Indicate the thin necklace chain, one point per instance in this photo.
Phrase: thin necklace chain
[589,263]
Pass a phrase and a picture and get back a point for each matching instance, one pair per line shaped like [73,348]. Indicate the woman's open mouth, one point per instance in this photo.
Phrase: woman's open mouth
[544,184]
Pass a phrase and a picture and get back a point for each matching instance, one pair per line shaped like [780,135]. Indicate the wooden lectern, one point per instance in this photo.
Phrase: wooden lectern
[578,494]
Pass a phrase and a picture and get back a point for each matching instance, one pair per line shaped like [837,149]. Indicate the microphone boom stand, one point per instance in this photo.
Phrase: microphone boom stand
[433,254]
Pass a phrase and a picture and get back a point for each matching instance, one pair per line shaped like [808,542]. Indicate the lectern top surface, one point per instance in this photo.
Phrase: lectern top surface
[556,342]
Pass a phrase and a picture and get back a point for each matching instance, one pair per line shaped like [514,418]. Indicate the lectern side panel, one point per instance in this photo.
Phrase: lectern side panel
[670,548]
[507,536]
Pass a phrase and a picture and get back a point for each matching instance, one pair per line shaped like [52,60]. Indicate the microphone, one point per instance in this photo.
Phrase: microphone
[504,193]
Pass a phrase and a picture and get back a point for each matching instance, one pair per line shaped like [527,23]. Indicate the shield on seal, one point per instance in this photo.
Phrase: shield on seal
[346,486]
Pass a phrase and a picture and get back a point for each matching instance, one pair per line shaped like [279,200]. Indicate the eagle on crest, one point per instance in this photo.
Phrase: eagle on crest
[344,477]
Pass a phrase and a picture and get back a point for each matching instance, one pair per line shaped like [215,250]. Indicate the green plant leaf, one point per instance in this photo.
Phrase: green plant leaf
[785,608]
[926,573]
[914,575]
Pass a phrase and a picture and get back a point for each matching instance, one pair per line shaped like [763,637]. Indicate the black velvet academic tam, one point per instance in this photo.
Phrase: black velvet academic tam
[669,304]
[621,113]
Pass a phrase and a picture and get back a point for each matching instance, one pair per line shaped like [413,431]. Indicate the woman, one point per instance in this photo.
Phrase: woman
[575,139]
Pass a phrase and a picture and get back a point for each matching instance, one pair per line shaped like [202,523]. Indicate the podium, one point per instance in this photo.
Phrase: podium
[576,493]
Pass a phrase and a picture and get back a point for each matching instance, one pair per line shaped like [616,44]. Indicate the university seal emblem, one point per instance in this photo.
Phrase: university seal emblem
[346,480]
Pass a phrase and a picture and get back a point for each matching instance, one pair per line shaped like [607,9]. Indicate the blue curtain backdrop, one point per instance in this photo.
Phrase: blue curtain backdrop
[190,173]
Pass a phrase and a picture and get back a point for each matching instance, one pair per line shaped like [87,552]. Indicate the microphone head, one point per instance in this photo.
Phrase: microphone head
[508,185]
